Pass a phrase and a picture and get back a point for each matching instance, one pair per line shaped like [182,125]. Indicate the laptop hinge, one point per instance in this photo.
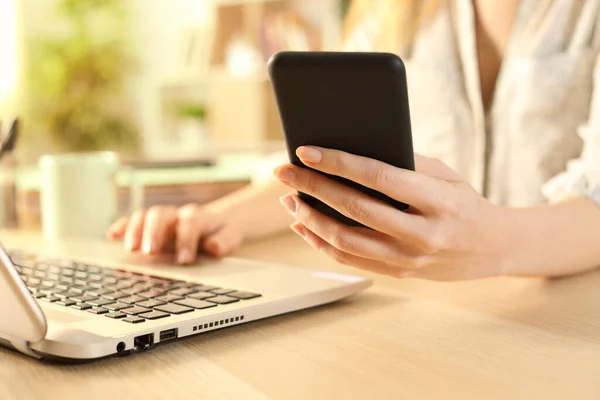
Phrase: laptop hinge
[24,348]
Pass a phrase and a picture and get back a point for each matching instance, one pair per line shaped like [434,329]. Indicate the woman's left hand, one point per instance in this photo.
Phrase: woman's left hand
[450,232]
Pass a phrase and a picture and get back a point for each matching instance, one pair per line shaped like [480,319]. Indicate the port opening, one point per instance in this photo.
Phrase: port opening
[121,347]
[168,334]
[143,342]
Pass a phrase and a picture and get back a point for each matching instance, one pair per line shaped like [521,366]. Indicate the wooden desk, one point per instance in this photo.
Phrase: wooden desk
[401,339]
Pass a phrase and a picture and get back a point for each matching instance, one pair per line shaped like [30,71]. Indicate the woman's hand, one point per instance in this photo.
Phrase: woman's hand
[450,232]
[185,231]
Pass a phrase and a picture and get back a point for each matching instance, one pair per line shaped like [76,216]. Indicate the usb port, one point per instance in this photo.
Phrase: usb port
[168,334]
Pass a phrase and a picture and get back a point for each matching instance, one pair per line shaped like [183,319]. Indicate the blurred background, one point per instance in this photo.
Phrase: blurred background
[178,87]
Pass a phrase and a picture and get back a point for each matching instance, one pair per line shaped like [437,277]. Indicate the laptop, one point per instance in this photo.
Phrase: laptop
[78,309]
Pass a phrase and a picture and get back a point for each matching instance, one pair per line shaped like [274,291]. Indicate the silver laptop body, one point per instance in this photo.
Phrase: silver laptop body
[76,308]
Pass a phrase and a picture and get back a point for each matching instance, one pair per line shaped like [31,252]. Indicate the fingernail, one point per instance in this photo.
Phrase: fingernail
[129,243]
[299,229]
[285,174]
[309,154]
[146,247]
[184,256]
[289,203]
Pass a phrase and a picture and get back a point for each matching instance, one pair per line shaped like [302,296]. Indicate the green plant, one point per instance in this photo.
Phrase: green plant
[76,78]
[191,111]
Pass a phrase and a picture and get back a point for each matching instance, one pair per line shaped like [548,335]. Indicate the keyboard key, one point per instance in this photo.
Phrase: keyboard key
[62,286]
[244,295]
[109,280]
[67,272]
[46,283]
[168,298]
[39,295]
[66,302]
[100,302]
[33,281]
[52,276]
[131,299]
[198,304]
[98,310]
[80,267]
[154,315]
[116,306]
[222,291]
[78,289]
[95,278]
[135,310]
[178,284]
[222,300]
[174,309]
[39,274]
[98,292]
[182,291]
[50,298]
[93,269]
[63,295]
[134,320]
[82,306]
[26,271]
[159,279]
[115,315]
[66,279]
[124,284]
[80,275]
[151,293]
[202,295]
[80,282]
[115,295]
[84,299]
[48,291]
[150,303]
[205,288]
[133,290]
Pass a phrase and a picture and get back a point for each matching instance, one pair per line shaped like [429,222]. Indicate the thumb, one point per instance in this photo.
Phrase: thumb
[223,242]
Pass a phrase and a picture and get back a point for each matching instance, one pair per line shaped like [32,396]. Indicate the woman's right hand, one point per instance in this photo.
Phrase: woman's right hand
[186,231]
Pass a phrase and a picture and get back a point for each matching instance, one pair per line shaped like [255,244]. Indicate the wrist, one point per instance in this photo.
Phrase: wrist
[508,240]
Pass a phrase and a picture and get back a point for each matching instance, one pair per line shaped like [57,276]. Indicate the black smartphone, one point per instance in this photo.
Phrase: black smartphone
[354,102]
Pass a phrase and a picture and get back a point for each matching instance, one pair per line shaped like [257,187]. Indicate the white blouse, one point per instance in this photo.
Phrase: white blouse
[540,138]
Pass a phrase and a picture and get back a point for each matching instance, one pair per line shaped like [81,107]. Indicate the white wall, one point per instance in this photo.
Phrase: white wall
[156,33]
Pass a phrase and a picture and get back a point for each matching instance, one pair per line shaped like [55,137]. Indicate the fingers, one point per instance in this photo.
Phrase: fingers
[356,205]
[118,228]
[406,186]
[318,243]
[159,228]
[359,242]
[190,231]
[435,168]
[134,231]
[223,242]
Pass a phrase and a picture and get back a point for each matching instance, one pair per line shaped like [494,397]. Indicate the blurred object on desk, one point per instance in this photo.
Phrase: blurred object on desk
[78,193]
[8,168]
[160,185]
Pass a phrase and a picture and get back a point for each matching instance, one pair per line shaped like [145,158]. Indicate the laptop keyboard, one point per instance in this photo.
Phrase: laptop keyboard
[118,294]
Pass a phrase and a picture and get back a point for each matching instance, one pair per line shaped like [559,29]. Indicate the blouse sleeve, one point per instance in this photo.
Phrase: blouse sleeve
[582,176]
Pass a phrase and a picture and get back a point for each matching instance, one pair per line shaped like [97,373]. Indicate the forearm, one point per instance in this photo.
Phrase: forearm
[255,209]
[554,240]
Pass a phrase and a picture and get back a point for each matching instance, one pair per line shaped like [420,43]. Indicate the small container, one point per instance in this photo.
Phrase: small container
[8,191]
